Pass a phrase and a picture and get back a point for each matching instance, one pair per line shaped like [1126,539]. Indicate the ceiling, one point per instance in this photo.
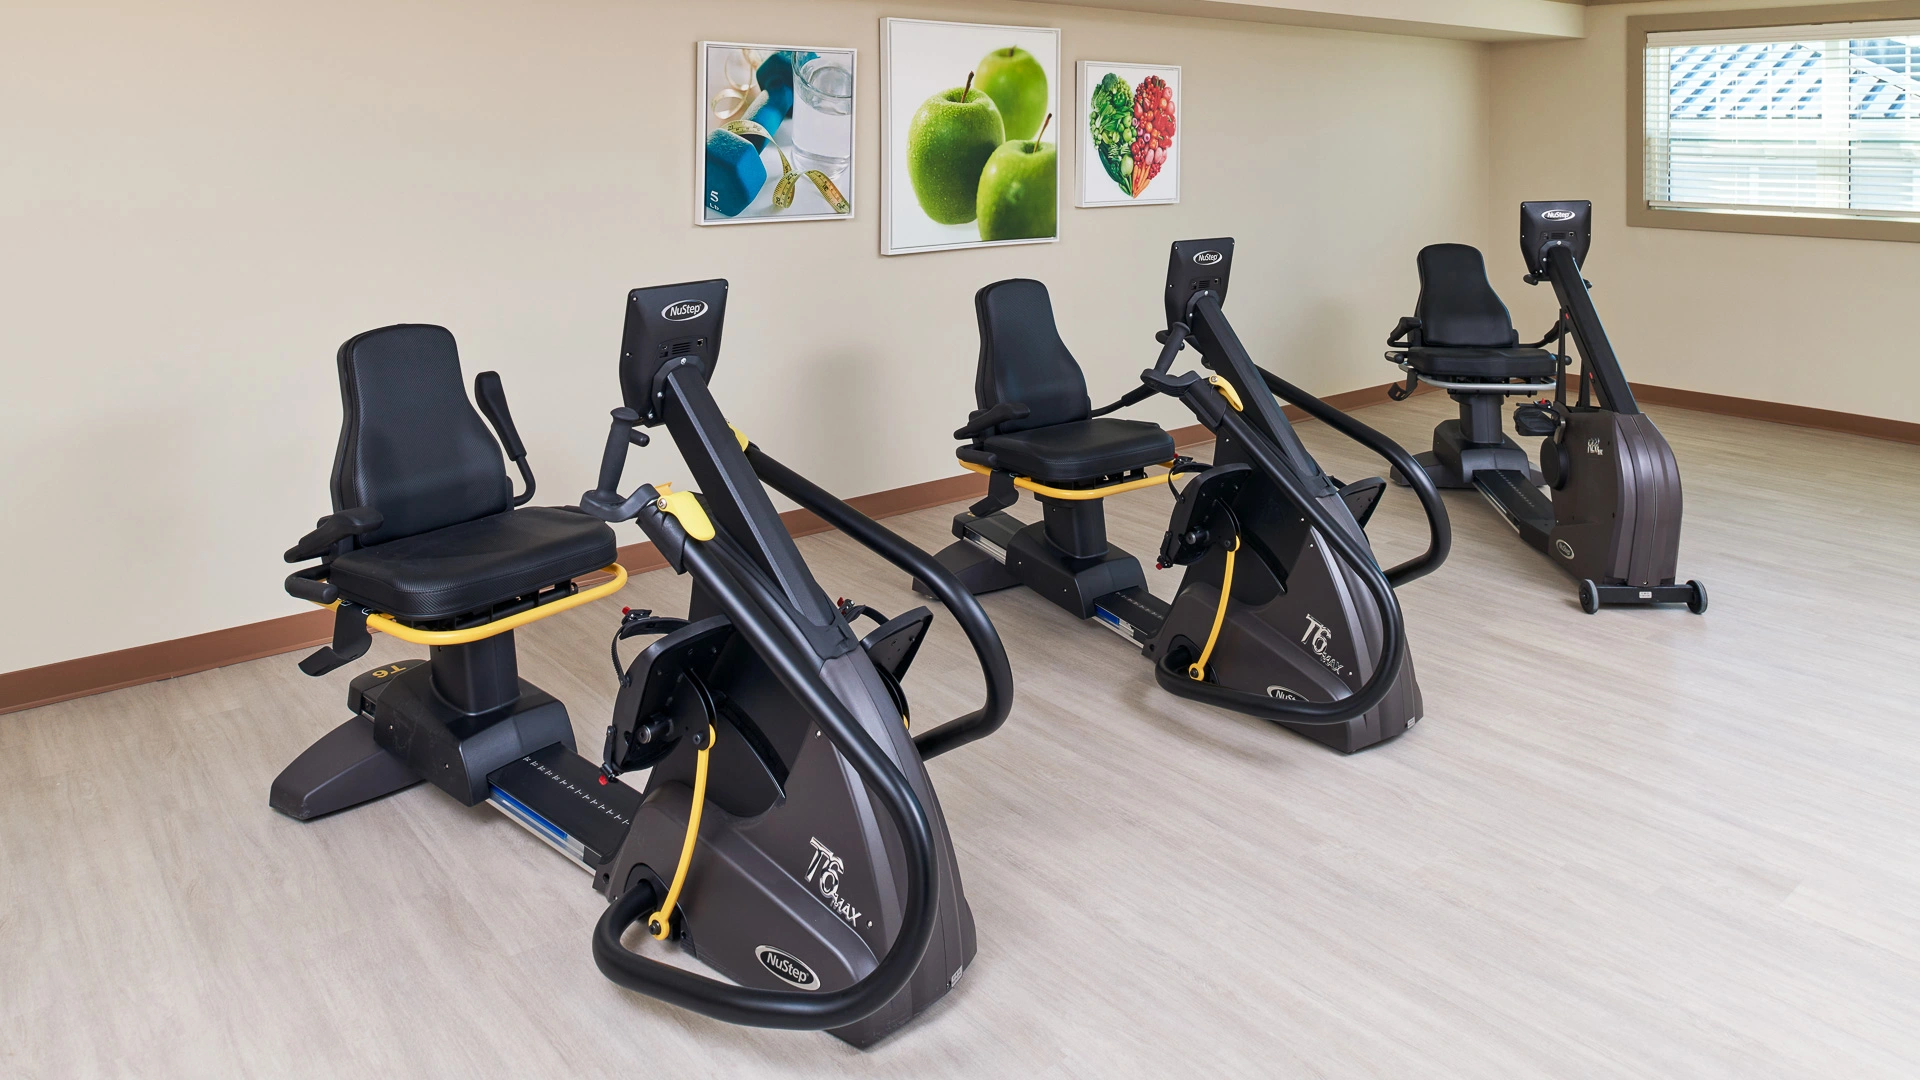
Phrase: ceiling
[1474,20]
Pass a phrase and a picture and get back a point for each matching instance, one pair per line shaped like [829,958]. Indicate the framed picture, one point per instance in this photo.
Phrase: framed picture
[776,134]
[969,135]
[1129,153]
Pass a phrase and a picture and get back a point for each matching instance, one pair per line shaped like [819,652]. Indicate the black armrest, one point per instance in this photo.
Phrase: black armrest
[1405,335]
[979,422]
[493,405]
[332,529]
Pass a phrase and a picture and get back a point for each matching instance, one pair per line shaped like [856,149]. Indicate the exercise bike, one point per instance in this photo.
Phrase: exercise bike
[1611,515]
[787,835]
[1282,613]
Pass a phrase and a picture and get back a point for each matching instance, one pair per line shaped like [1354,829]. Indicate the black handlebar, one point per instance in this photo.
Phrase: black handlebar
[492,397]
[792,662]
[613,460]
[312,586]
[1439,529]
[1172,340]
[966,610]
[1211,408]
[1172,676]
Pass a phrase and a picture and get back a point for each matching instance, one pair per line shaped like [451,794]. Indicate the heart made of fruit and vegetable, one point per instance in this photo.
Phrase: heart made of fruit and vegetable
[1132,129]
[974,152]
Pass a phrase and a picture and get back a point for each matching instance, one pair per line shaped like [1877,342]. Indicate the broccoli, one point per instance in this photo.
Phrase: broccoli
[1110,120]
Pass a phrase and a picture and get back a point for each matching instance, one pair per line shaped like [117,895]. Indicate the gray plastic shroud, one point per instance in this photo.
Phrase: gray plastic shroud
[818,872]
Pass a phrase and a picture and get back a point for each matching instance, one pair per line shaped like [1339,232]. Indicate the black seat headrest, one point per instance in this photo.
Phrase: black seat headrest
[1458,306]
[411,444]
[1023,360]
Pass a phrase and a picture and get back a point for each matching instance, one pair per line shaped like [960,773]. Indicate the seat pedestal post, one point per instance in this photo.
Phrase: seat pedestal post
[477,677]
[1480,418]
[1078,527]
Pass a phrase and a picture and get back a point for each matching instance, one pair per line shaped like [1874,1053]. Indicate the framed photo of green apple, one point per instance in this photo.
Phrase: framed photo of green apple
[1129,152]
[969,135]
[776,134]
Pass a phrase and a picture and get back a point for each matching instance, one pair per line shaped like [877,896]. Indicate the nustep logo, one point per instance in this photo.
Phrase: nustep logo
[1564,549]
[1207,258]
[1559,215]
[787,967]
[682,310]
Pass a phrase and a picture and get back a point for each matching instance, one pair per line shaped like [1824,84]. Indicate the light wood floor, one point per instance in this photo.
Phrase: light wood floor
[1637,844]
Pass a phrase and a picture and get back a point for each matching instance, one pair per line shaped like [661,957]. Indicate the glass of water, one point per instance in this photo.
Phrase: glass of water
[823,115]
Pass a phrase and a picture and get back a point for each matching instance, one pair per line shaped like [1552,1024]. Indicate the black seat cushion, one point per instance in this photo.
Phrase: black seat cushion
[411,446]
[1022,359]
[474,565]
[1445,363]
[1077,452]
[1457,305]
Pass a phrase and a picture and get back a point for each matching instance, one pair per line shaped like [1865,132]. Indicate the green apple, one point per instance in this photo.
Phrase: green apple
[1019,197]
[1018,86]
[948,143]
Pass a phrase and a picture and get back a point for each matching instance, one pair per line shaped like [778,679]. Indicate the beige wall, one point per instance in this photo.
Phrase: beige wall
[1801,320]
[201,200]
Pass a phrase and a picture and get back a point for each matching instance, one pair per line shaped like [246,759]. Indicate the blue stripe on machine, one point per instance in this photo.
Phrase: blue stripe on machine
[523,813]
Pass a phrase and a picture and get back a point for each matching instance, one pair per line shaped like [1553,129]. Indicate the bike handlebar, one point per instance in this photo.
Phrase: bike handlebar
[793,663]
[1392,630]
[1439,528]
[965,609]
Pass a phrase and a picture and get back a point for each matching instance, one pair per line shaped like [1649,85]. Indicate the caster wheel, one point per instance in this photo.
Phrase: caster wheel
[1589,596]
[1697,602]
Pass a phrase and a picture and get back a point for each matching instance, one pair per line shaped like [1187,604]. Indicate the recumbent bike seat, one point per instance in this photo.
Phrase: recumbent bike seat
[1034,417]
[1460,328]
[450,540]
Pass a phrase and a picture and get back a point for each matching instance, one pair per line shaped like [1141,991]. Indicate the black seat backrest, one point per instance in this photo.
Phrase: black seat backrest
[1022,358]
[1458,306]
[411,445]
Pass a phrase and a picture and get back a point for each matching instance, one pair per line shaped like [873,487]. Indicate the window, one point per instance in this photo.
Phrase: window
[1815,121]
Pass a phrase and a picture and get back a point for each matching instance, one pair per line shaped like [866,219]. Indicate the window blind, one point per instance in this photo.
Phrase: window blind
[1803,120]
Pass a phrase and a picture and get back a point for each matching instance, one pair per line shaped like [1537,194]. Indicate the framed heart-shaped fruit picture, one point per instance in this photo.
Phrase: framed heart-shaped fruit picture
[1129,134]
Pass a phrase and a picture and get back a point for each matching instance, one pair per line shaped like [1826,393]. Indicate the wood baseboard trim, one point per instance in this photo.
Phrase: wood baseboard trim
[68,679]
[1876,427]
[33,687]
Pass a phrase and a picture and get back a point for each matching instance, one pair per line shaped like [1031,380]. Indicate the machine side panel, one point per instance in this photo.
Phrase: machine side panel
[1594,512]
[821,873]
[1656,536]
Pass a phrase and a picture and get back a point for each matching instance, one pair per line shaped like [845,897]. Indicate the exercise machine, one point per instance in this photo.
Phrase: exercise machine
[1282,612]
[1611,513]
[787,834]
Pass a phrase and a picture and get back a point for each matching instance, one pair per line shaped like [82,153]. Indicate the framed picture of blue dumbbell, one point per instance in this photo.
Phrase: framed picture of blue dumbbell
[776,131]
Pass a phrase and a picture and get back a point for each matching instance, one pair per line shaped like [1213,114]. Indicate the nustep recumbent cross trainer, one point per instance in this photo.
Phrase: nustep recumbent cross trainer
[787,835]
